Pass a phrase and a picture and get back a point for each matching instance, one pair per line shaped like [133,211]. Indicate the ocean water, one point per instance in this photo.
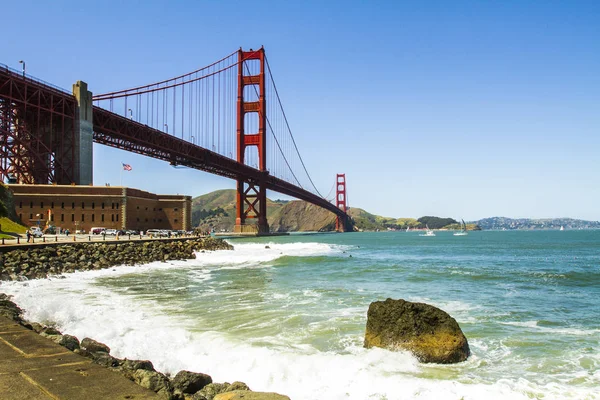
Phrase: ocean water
[291,318]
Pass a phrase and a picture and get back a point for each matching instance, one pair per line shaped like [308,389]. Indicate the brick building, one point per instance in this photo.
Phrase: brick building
[78,207]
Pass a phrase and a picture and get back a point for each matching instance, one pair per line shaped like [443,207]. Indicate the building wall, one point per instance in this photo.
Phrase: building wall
[83,207]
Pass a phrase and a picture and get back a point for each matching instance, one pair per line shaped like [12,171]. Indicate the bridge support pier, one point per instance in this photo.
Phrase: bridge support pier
[251,194]
[84,125]
[342,224]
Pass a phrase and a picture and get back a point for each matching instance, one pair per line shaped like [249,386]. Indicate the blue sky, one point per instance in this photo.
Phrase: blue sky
[465,109]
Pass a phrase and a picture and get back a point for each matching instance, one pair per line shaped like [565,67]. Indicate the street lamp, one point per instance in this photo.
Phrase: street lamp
[167,128]
[23,62]
[193,139]
[38,218]
[130,113]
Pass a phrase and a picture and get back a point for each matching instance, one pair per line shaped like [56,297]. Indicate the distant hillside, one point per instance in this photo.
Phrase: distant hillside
[216,211]
[206,214]
[300,216]
[502,223]
[436,222]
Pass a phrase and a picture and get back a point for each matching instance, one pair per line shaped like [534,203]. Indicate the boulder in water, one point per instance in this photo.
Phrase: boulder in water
[429,333]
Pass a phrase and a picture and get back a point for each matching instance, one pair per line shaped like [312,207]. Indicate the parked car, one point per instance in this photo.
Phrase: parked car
[36,232]
[153,232]
[133,232]
[111,232]
[97,230]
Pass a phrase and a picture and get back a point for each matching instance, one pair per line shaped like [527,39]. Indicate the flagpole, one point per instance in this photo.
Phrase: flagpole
[121,177]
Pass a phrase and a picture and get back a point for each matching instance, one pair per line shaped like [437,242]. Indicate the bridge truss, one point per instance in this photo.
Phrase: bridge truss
[36,130]
[225,118]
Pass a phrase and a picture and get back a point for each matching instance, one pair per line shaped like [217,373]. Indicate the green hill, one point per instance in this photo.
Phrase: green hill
[216,211]
[300,216]
[9,222]
[436,222]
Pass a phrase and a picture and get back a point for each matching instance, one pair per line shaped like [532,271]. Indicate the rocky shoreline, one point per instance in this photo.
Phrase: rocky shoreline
[44,261]
[185,385]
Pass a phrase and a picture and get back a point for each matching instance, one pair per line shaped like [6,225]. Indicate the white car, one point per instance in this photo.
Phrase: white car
[36,232]
[112,232]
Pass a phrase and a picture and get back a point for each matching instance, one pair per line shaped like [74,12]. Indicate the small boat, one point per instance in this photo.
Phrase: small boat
[429,232]
[463,229]
[562,228]
[407,228]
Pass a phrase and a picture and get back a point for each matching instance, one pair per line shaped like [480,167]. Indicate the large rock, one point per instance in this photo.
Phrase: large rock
[154,381]
[429,333]
[209,391]
[93,346]
[190,382]
[247,395]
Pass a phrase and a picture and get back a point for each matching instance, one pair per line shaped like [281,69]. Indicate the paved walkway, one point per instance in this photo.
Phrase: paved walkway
[33,367]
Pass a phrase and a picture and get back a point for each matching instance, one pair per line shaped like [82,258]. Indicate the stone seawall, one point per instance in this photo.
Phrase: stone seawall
[41,261]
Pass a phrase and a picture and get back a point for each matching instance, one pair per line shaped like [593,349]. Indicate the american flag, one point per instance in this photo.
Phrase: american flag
[126,167]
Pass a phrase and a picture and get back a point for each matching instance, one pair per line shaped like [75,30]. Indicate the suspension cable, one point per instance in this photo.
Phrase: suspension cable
[289,129]
[165,81]
[275,137]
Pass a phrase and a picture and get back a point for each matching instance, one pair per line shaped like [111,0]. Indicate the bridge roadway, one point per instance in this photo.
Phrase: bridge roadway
[117,131]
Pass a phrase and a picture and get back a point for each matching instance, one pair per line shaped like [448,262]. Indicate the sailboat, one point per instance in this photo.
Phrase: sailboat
[407,228]
[429,232]
[463,229]
[562,228]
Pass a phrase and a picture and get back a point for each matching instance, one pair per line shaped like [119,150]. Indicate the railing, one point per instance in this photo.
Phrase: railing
[34,79]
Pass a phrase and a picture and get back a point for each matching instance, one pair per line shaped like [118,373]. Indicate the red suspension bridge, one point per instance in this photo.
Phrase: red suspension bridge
[226,118]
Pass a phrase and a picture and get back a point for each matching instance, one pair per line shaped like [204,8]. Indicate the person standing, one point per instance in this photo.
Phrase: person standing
[28,235]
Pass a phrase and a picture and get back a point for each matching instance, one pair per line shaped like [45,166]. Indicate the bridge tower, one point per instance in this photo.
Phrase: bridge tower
[252,193]
[340,202]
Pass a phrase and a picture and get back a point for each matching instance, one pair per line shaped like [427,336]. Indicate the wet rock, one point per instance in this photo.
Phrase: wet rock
[50,331]
[190,382]
[9,309]
[154,381]
[69,341]
[84,353]
[105,359]
[209,391]
[429,333]
[92,346]
[37,328]
[41,262]
[237,386]
[246,395]
[137,364]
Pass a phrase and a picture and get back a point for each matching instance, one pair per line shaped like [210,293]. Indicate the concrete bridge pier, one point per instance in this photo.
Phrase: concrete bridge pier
[83,173]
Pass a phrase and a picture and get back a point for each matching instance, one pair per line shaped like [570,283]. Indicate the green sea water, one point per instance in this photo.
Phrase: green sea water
[288,314]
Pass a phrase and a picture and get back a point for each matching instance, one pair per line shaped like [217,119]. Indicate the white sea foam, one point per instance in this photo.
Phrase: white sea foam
[248,255]
[557,330]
